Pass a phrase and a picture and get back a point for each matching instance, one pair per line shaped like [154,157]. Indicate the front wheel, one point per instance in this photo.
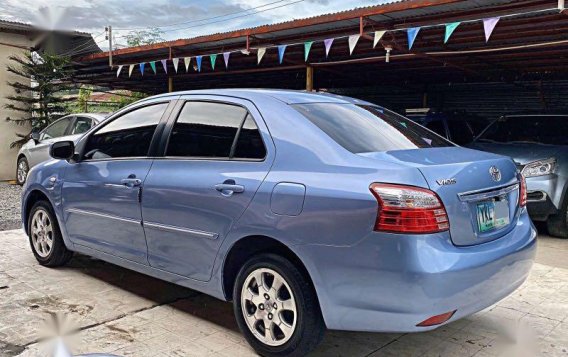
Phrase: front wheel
[276,307]
[558,224]
[45,237]
[22,168]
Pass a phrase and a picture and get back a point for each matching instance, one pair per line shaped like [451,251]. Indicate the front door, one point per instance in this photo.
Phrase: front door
[215,160]
[101,193]
[55,132]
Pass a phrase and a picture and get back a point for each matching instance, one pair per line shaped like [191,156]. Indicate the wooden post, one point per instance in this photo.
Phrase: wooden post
[309,78]
[170,84]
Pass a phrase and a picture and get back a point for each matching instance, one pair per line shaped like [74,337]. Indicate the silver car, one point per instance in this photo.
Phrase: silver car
[36,150]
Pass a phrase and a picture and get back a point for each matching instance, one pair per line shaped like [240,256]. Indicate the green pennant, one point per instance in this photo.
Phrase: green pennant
[153,65]
[450,29]
[307,47]
[213,59]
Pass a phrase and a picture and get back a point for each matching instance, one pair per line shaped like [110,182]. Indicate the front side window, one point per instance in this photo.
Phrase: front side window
[367,128]
[127,136]
[81,125]
[56,129]
[215,130]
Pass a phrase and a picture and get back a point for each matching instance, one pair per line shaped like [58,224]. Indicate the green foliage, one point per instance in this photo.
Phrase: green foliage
[37,96]
[144,37]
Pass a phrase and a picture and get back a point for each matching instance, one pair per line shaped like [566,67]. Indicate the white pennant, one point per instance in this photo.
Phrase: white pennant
[176,63]
[353,42]
[378,36]
[260,54]
[119,69]
[187,61]
[130,69]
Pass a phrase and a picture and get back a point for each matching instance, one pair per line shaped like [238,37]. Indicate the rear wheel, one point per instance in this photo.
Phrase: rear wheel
[22,168]
[45,237]
[276,307]
[558,224]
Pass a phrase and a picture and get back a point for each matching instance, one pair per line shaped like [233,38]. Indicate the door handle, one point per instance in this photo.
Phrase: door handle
[131,182]
[229,187]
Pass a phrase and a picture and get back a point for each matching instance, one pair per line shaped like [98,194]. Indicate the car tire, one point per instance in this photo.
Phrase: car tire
[45,237]
[22,169]
[558,224]
[294,306]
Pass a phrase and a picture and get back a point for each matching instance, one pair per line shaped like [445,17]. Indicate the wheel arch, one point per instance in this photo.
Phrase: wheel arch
[31,199]
[249,246]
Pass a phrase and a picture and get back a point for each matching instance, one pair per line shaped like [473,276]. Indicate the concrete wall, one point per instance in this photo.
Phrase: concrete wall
[8,130]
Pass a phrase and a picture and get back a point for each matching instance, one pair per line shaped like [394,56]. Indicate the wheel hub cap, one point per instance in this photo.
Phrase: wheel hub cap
[42,233]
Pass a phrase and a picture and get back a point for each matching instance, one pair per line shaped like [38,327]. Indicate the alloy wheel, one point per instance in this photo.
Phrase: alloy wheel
[22,170]
[42,233]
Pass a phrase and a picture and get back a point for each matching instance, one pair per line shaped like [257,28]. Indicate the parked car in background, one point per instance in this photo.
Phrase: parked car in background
[306,210]
[36,150]
[539,146]
[458,127]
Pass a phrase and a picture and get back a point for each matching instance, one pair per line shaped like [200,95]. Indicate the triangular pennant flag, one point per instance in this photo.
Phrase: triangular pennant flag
[176,63]
[213,59]
[307,48]
[412,33]
[153,65]
[165,65]
[198,59]
[187,61]
[226,58]
[450,30]
[119,69]
[378,36]
[489,26]
[260,54]
[327,44]
[142,67]
[130,68]
[353,42]
[281,50]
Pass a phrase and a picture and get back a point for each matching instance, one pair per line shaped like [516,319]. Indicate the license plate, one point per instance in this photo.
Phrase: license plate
[492,215]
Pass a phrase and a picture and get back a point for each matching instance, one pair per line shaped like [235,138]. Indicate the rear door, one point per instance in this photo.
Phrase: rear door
[217,152]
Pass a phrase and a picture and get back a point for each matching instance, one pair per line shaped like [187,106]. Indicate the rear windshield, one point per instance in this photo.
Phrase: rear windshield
[366,128]
[528,129]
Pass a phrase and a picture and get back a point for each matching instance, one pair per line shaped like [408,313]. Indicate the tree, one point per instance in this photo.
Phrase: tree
[144,37]
[38,97]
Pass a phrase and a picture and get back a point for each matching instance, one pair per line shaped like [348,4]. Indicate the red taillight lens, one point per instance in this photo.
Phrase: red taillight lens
[408,209]
[522,191]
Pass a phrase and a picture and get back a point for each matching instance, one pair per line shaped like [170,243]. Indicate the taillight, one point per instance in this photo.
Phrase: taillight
[522,191]
[408,209]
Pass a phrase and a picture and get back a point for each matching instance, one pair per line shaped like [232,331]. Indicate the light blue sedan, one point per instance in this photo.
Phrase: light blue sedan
[307,210]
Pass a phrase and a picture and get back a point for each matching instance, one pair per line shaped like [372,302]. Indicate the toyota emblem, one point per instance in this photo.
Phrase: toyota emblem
[495,173]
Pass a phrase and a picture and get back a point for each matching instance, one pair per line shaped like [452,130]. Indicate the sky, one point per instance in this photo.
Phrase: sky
[177,18]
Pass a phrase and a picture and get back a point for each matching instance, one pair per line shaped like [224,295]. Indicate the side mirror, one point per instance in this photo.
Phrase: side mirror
[62,150]
[35,136]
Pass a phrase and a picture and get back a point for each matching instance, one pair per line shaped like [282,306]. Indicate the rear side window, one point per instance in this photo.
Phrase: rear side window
[215,130]
[81,125]
[127,136]
[366,128]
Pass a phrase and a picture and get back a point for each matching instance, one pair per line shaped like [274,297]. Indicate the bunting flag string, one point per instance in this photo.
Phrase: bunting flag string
[327,43]
[450,28]
[213,59]
[412,33]
[165,65]
[176,64]
[353,39]
[142,68]
[378,36]
[187,61]
[281,50]
[130,69]
[260,54]
[118,71]
[153,65]
[489,26]
[226,56]
[307,48]
[198,59]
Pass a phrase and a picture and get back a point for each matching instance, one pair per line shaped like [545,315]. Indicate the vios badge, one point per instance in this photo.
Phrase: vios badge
[444,182]
[495,173]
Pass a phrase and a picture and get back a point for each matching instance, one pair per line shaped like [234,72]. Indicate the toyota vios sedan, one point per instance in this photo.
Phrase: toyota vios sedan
[306,210]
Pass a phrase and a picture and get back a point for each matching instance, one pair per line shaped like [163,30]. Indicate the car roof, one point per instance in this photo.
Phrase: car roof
[285,95]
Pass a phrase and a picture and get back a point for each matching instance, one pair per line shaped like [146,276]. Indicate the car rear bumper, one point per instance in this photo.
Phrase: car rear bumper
[390,283]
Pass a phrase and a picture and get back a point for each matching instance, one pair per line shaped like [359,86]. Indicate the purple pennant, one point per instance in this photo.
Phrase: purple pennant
[198,59]
[489,26]
[165,65]
[327,44]
[226,58]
